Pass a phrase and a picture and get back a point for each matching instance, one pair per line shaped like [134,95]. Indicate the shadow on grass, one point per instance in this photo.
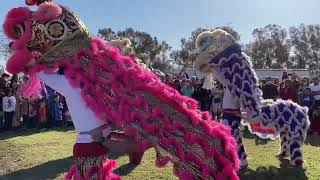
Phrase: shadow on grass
[49,170]
[26,132]
[52,169]
[274,173]
[313,140]
[123,170]
[115,155]
[258,141]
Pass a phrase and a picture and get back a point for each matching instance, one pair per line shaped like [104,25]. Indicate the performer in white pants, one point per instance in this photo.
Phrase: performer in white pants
[93,135]
[232,117]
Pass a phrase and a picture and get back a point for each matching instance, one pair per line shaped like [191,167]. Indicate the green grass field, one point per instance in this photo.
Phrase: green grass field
[47,155]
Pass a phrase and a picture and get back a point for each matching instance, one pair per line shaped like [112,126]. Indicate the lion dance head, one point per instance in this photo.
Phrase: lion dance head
[222,57]
[34,32]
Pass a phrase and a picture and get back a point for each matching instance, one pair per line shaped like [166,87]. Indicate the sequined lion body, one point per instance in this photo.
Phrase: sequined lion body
[121,92]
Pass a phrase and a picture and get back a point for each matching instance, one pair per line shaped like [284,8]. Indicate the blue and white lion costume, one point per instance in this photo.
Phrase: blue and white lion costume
[222,58]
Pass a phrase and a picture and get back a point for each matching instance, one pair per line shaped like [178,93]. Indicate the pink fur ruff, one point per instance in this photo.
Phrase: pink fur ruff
[103,173]
[17,16]
[47,12]
[31,2]
[18,60]
[31,90]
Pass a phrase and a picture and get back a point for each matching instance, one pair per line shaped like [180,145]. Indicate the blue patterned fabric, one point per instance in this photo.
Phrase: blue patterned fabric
[236,73]
[234,123]
[234,70]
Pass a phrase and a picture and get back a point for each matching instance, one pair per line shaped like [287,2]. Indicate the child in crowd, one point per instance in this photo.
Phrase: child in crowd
[57,109]
[24,110]
[307,98]
[315,120]
[9,107]
[16,121]
[32,115]
[42,115]
[187,89]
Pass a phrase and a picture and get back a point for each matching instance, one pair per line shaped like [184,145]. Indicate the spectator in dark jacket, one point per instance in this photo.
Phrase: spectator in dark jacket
[177,85]
[270,90]
[203,96]
[168,81]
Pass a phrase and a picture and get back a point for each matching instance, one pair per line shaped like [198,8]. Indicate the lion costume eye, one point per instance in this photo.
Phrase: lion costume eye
[205,43]
[18,31]
[56,30]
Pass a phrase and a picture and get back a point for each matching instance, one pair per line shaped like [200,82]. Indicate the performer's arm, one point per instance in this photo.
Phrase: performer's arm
[56,81]
[120,146]
[115,142]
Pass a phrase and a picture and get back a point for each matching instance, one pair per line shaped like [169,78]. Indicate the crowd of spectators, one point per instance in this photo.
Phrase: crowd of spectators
[208,100]
[51,110]
[302,90]
[17,113]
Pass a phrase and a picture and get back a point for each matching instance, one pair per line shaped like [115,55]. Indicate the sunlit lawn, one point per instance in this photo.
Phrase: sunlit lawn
[47,155]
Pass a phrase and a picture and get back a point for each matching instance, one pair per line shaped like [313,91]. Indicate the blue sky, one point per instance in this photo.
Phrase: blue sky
[171,20]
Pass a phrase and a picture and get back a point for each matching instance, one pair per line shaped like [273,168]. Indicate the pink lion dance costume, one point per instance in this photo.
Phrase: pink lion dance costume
[54,44]
[222,58]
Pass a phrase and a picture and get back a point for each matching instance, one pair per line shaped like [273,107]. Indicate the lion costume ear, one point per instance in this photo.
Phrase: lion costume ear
[13,25]
[16,63]
[47,12]
[219,39]
[204,39]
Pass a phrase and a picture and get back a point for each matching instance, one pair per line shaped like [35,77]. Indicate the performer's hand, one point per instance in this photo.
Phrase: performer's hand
[116,142]
[97,135]
[120,146]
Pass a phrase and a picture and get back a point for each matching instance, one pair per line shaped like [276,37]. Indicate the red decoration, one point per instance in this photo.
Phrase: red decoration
[36,2]
[31,2]
[261,129]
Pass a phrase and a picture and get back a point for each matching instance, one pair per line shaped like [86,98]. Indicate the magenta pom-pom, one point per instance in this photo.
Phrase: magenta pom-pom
[47,12]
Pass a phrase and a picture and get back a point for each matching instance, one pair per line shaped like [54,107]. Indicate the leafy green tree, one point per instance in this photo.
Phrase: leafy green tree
[270,47]
[143,45]
[305,42]
[188,52]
